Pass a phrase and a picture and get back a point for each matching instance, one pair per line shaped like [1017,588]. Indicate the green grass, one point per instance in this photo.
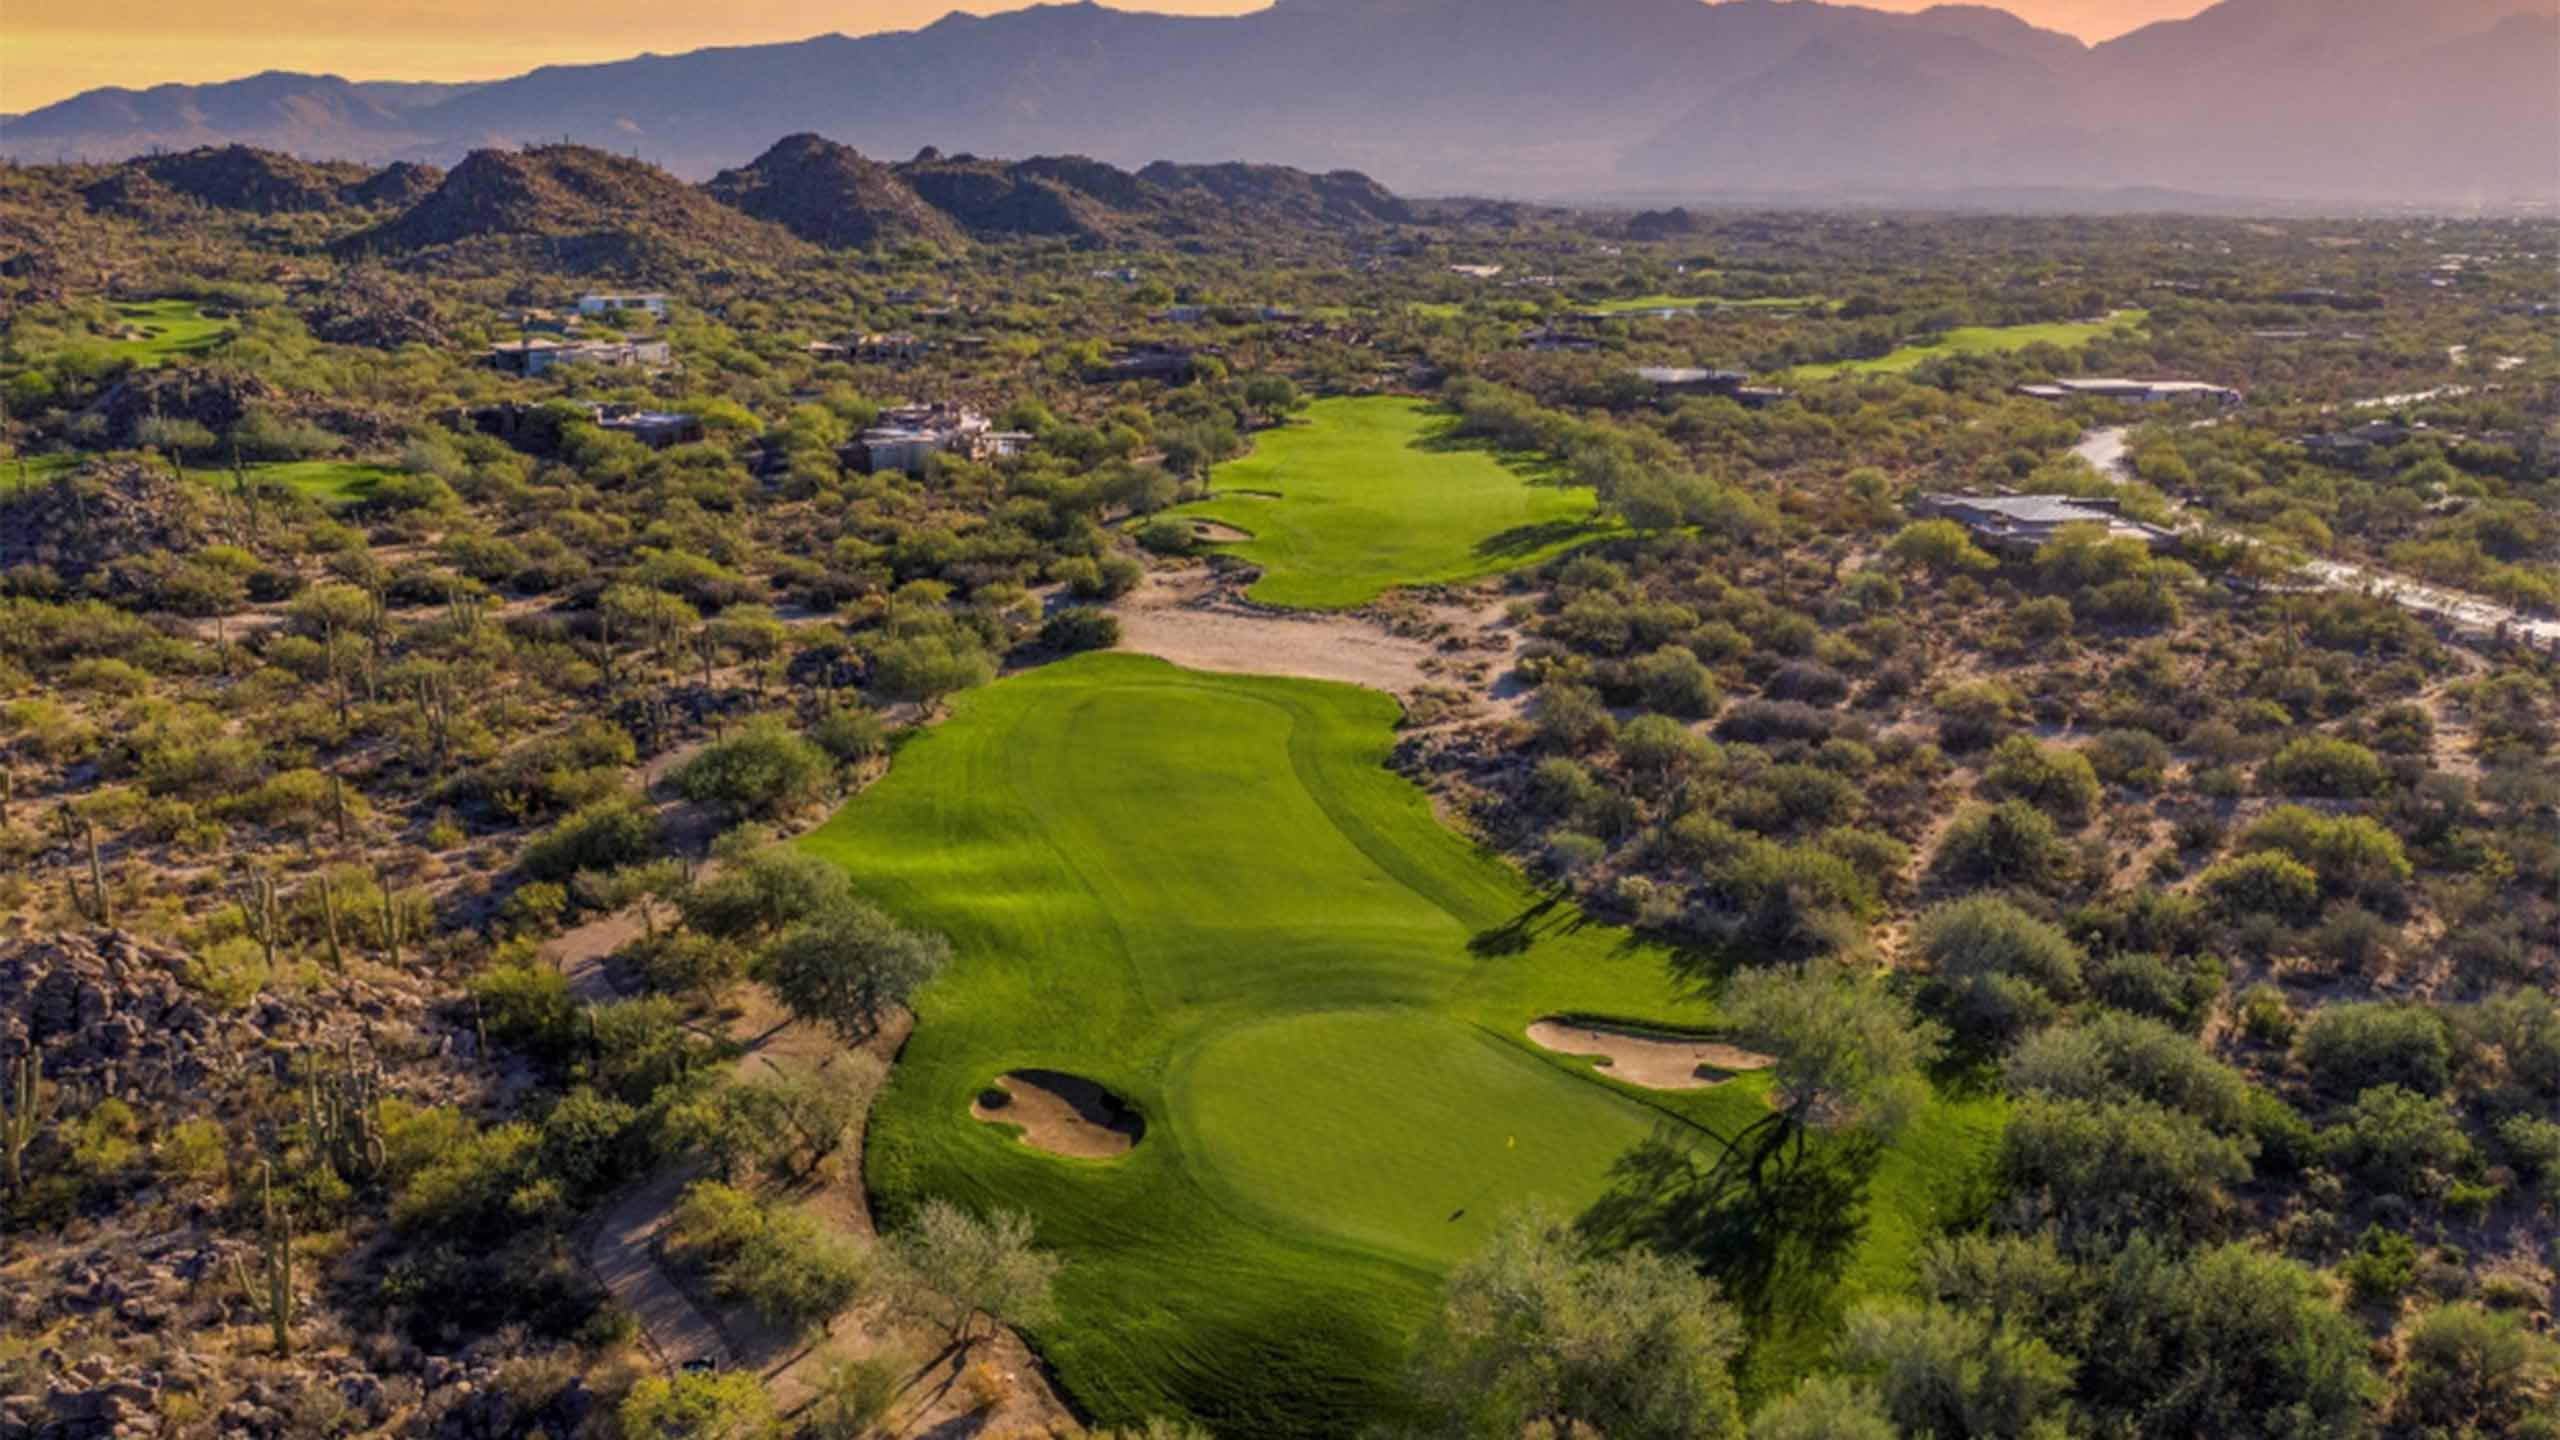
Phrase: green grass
[1974,339]
[1210,894]
[1373,493]
[30,471]
[168,327]
[329,481]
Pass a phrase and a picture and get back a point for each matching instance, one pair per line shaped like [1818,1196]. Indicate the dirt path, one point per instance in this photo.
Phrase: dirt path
[620,1253]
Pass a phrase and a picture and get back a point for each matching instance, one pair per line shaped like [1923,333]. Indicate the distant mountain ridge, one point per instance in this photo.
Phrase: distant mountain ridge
[2436,101]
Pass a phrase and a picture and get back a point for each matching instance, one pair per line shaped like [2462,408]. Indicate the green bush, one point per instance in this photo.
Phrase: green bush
[2355,1046]
[1080,628]
[604,836]
[764,771]
[2327,766]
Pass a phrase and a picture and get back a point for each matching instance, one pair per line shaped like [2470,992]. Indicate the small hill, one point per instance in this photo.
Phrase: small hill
[1281,194]
[571,208]
[395,186]
[261,182]
[831,195]
[996,199]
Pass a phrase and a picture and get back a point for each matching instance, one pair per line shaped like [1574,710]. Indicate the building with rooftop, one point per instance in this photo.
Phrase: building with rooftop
[2137,392]
[605,304]
[2021,524]
[531,357]
[908,437]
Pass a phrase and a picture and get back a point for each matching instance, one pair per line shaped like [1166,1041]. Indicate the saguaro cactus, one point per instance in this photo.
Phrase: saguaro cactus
[104,908]
[329,917]
[18,1125]
[340,1115]
[273,1290]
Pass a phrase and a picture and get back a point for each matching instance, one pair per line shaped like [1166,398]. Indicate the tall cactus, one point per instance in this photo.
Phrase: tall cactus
[329,917]
[19,1124]
[258,912]
[105,908]
[275,1251]
[341,1109]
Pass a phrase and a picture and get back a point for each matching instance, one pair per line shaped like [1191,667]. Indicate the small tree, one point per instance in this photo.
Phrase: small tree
[849,964]
[730,1405]
[762,772]
[1535,1336]
[957,1269]
[1848,1051]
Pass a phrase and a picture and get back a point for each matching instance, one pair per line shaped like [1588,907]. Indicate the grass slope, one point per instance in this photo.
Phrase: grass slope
[167,328]
[1210,894]
[330,481]
[1372,494]
[1975,339]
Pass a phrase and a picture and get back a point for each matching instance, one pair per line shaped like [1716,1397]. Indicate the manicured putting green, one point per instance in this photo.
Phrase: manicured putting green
[1360,495]
[1976,339]
[1436,1127]
[162,328]
[1208,894]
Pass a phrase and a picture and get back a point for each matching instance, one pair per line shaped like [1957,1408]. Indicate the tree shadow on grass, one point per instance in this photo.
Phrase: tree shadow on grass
[1548,916]
[1772,1220]
[1522,541]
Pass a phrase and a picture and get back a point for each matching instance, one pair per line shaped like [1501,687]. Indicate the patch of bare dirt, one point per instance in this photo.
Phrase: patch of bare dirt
[1654,1062]
[1062,1114]
[1198,619]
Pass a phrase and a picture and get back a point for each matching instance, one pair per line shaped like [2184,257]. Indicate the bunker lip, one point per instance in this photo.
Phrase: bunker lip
[1654,1062]
[1062,1114]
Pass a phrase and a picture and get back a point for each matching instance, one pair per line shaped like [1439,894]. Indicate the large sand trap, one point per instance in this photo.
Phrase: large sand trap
[1062,1114]
[1650,1061]
[1219,533]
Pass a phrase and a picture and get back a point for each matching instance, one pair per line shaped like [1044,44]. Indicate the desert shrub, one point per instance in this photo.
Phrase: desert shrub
[2142,983]
[1673,681]
[2101,1170]
[2325,765]
[2011,843]
[2381,1266]
[763,771]
[2057,781]
[1997,972]
[604,836]
[1080,628]
[2399,1140]
[1976,714]
[2135,759]
[2470,1371]
[2116,1055]
[2355,1046]
[2265,883]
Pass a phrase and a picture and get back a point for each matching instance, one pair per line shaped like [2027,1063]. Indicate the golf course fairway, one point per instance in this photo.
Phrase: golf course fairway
[1208,894]
[1359,495]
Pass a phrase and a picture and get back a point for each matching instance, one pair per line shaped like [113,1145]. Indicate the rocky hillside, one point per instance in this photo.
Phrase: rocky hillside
[568,207]
[832,195]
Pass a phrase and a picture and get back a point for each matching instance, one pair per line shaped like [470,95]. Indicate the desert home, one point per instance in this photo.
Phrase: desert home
[2023,523]
[603,304]
[2138,392]
[531,357]
[909,436]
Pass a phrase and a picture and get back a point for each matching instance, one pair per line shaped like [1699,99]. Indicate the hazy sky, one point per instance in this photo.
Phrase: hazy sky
[53,48]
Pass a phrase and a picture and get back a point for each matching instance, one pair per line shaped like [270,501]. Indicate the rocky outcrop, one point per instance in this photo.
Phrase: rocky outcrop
[112,1012]
[86,522]
[366,307]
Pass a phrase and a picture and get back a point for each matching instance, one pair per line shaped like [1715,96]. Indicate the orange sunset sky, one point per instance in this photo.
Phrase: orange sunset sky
[53,48]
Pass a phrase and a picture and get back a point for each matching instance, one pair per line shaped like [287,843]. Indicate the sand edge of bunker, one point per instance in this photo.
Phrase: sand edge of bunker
[1647,1060]
[1061,1113]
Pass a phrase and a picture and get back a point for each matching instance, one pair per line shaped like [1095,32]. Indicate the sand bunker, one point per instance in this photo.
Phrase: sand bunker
[1062,1114]
[1652,1061]
[1219,534]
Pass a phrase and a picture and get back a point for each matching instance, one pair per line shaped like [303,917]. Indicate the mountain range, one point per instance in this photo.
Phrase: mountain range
[2433,102]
